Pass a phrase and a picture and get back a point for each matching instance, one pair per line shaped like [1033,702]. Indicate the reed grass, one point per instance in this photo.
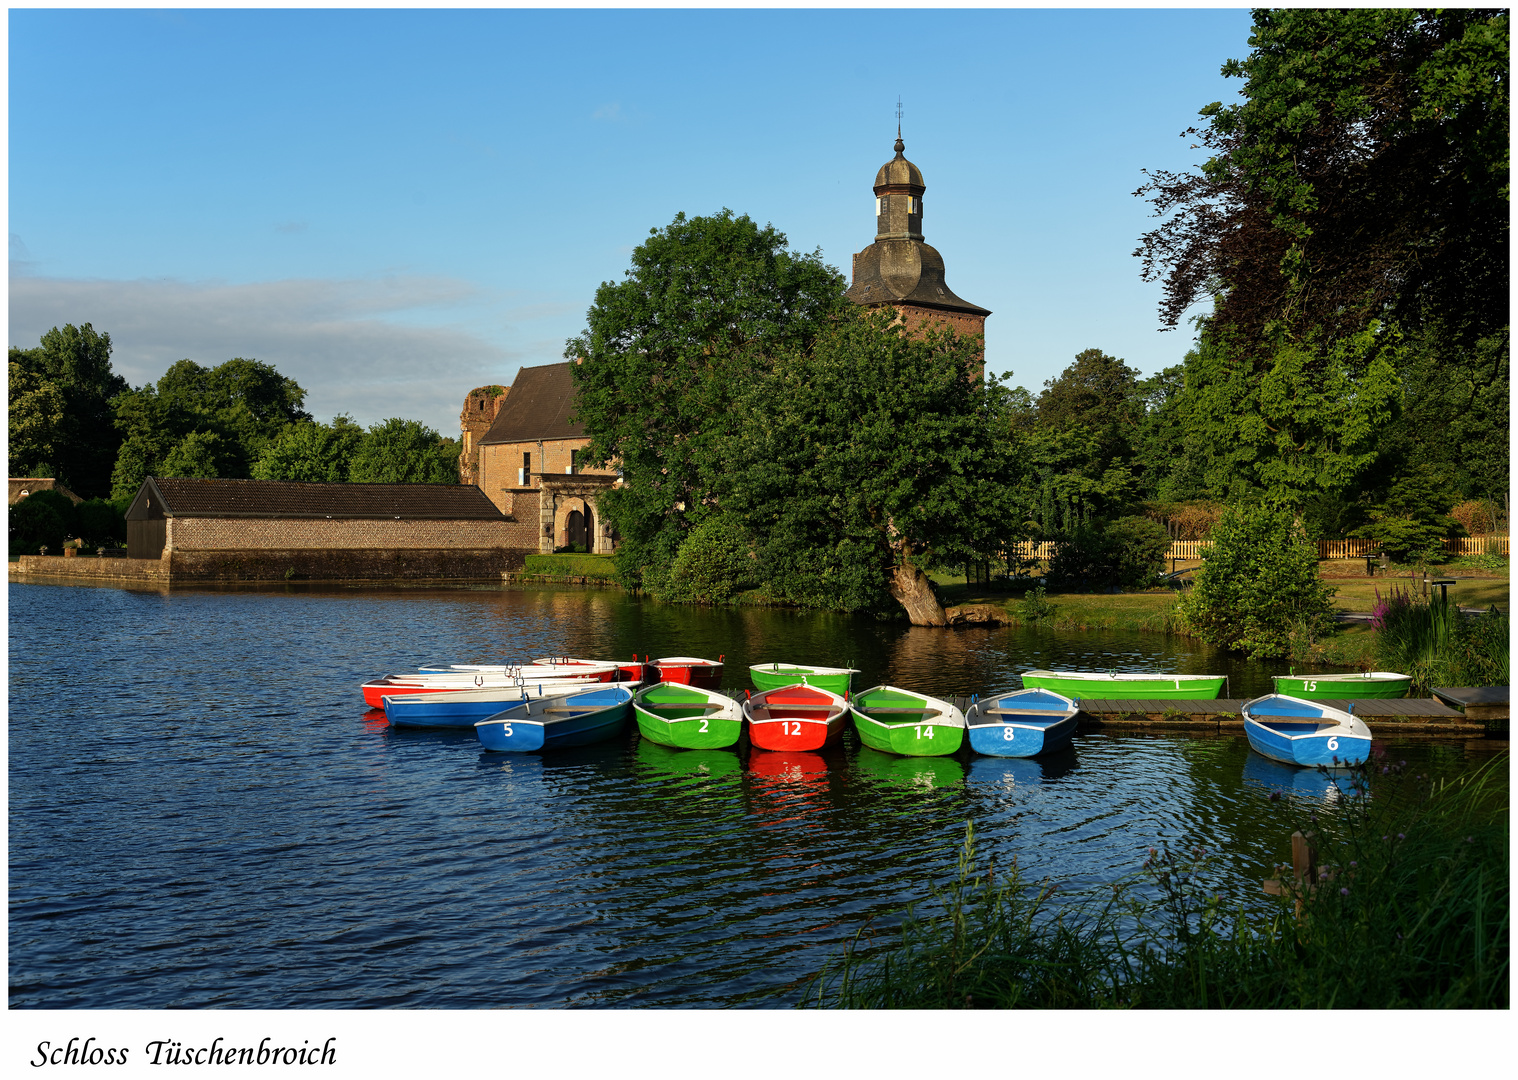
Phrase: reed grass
[1431,641]
[1410,911]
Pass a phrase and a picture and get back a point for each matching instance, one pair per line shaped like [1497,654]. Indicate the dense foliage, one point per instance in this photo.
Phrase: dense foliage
[1350,228]
[60,414]
[867,459]
[1259,591]
[705,305]
[47,518]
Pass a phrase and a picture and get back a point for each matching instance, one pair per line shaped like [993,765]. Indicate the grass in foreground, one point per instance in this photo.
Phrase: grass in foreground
[1412,912]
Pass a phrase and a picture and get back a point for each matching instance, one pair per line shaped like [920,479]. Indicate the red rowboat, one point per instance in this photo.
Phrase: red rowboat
[691,670]
[798,717]
[632,670]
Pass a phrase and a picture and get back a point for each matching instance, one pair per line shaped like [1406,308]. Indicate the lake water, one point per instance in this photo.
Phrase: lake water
[203,813]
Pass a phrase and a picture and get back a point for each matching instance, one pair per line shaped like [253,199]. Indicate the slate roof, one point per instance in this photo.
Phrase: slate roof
[178,497]
[538,407]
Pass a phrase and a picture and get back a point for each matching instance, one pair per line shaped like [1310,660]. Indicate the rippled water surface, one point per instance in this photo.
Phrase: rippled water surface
[203,813]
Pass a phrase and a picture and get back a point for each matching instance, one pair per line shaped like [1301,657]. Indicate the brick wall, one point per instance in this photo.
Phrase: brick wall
[252,534]
[352,564]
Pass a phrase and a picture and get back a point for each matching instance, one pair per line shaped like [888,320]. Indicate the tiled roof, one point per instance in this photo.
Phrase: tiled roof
[538,407]
[274,498]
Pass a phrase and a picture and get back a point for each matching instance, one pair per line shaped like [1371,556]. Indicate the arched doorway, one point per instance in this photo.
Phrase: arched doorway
[576,534]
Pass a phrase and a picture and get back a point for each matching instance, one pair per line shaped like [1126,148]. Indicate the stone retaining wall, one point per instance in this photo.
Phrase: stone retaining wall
[286,534]
[290,564]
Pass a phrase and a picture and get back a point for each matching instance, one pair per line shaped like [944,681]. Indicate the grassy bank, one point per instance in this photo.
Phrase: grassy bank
[1412,912]
[600,567]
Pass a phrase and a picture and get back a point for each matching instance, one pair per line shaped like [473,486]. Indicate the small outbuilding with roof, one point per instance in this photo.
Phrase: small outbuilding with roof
[252,530]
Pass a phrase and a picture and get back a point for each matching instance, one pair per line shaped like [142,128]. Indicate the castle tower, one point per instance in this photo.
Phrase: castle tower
[899,268]
[481,408]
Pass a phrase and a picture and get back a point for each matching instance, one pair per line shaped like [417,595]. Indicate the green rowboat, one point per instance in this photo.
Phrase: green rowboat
[1346,684]
[1124,684]
[901,722]
[835,680]
[687,717]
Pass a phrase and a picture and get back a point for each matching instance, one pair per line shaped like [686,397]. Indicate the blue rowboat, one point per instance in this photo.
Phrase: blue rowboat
[464,708]
[1302,732]
[551,723]
[1021,723]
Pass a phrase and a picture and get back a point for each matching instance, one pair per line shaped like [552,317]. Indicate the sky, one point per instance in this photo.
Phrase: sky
[393,207]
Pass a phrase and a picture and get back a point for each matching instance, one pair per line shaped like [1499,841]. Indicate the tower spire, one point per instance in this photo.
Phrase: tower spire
[900,146]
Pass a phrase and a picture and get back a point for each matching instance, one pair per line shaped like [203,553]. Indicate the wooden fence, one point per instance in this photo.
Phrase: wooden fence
[1043,550]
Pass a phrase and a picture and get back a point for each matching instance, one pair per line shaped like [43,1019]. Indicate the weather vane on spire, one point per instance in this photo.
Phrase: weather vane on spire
[898,116]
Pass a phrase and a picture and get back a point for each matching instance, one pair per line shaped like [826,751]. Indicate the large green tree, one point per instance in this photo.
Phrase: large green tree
[867,458]
[1363,176]
[704,307]
[71,366]
[199,421]
[397,451]
[311,452]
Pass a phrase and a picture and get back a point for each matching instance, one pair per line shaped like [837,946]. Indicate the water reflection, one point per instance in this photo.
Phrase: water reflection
[1324,786]
[274,845]
[1013,772]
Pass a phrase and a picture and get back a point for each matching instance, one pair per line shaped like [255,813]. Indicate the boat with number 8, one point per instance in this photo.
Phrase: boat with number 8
[1343,685]
[1021,723]
[795,717]
[558,721]
[1125,684]
[687,717]
[1301,732]
[902,722]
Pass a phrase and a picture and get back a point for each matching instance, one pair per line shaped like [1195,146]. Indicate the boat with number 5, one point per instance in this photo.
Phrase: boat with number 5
[558,721]
[1301,732]
[796,717]
[1021,723]
[687,717]
[901,722]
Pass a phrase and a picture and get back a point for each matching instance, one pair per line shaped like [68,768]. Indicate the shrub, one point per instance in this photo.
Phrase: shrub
[100,522]
[45,517]
[713,564]
[1258,590]
[1129,552]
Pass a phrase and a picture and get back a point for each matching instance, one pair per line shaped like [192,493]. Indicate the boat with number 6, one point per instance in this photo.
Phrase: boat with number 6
[795,717]
[1343,685]
[1125,684]
[1301,732]
[1021,723]
[901,722]
[687,717]
[835,680]
[558,721]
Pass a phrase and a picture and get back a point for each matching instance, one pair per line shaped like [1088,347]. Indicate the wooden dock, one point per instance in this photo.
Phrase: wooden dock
[1386,716]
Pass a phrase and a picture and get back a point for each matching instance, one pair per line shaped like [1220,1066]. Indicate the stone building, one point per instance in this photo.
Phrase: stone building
[253,530]
[899,268]
[529,465]
[481,408]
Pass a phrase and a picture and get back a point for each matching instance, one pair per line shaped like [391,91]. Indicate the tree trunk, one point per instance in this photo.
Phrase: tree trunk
[912,590]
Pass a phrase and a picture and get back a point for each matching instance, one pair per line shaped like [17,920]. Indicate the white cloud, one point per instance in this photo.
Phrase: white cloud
[340,340]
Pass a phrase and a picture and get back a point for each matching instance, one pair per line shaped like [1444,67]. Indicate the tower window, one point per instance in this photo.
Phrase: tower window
[877,205]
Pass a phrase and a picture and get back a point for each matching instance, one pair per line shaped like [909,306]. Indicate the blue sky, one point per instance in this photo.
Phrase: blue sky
[393,207]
